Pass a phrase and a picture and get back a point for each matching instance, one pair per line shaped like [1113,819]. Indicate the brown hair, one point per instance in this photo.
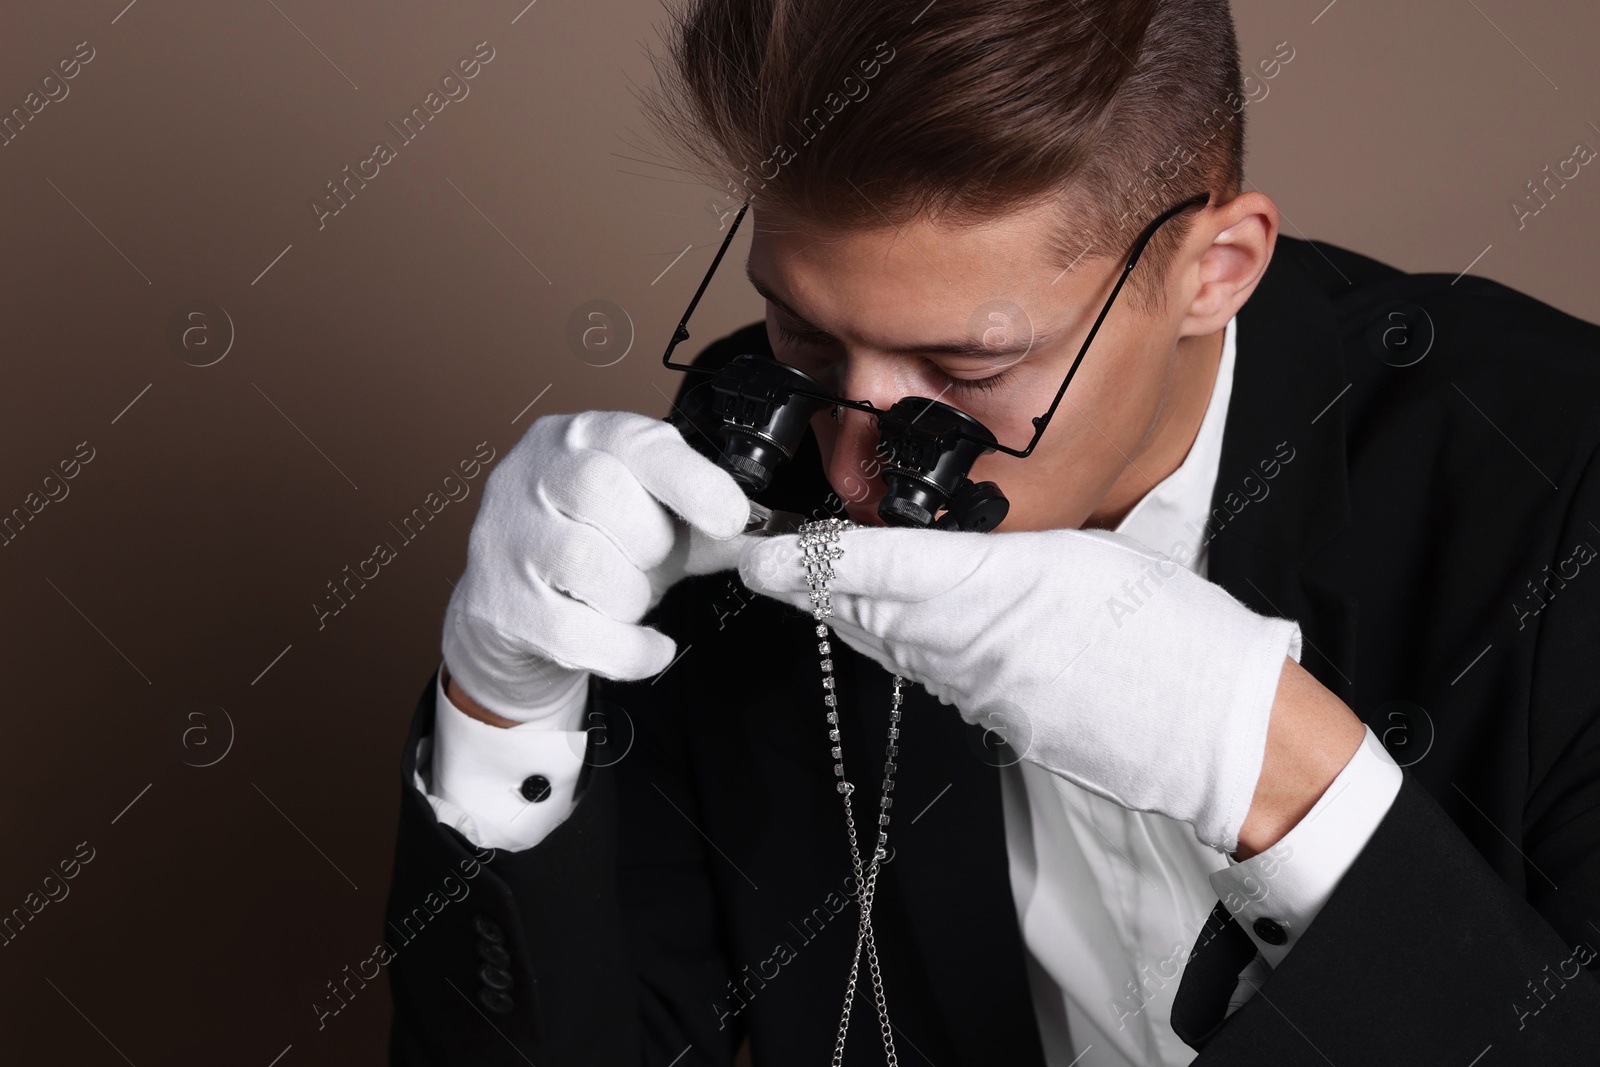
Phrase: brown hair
[861,113]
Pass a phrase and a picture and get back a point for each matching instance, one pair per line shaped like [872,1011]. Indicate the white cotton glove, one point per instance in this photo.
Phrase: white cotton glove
[575,540]
[1100,660]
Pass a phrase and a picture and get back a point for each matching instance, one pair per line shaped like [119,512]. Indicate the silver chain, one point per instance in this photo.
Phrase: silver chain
[819,544]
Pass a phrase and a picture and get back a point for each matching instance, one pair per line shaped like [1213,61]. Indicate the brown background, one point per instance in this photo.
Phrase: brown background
[378,351]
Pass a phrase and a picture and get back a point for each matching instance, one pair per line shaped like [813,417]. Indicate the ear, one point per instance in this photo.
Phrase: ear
[1229,249]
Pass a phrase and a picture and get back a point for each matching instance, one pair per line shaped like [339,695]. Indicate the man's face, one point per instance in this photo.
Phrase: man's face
[872,315]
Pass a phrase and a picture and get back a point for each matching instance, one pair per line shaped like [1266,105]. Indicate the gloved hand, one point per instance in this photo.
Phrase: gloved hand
[575,540]
[1102,661]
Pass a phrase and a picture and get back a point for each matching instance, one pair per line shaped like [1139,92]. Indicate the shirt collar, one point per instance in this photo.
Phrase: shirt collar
[1171,517]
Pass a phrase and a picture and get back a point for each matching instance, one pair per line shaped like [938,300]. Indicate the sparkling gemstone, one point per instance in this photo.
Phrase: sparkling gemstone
[827,683]
[827,664]
[833,735]
[833,717]
[822,631]
[824,648]
[838,768]
[838,753]
[830,700]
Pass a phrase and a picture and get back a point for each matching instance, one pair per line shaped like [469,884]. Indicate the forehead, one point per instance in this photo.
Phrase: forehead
[937,270]
[1016,244]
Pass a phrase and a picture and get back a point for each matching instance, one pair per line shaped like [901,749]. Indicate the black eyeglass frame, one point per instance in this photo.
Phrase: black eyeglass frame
[681,334]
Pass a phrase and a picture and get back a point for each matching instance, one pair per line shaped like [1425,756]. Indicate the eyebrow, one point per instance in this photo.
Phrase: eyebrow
[974,349]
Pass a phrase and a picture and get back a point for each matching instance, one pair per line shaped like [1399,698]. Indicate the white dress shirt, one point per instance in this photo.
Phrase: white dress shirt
[1109,901]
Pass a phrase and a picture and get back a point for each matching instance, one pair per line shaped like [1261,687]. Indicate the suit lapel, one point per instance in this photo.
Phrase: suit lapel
[1281,507]
[1279,528]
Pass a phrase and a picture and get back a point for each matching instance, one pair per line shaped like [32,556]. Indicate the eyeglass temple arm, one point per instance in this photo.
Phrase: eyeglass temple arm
[681,334]
[1041,421]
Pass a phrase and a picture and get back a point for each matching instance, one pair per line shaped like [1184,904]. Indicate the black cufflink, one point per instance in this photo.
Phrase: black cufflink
[535,787]
[1270,932]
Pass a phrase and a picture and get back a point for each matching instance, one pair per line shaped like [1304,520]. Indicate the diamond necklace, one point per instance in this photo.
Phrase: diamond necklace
[819,544]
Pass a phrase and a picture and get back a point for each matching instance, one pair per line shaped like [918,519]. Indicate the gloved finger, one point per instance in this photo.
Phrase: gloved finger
[877,563]
[576,636]
[776,572]
[695,552]
[705,554]
[696,489]
[772,566]
[893,656]
[599,490]
[587,565]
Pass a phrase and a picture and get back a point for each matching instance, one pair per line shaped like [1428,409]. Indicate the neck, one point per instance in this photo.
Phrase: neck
[1171,436]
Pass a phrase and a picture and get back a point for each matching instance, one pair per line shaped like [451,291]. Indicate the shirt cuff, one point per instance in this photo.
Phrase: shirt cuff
[1276,894]
[481,779]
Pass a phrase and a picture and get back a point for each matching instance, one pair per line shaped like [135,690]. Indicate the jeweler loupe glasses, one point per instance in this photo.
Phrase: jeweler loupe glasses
[928,447]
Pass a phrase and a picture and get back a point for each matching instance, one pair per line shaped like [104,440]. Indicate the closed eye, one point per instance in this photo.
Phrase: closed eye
[803,337]
[950,384]
[961,386]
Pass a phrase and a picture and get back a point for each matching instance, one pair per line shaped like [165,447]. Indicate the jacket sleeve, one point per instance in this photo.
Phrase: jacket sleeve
[597,945]
[1422,955]
[1425,952]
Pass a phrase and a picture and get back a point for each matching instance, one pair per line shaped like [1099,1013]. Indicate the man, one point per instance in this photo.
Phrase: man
[1263,728]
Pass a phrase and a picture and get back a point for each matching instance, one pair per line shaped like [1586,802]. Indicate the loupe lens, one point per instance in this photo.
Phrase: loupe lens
[929,458]
[763,418]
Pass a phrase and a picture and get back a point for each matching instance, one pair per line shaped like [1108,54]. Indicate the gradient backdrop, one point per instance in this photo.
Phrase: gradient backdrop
[176,706]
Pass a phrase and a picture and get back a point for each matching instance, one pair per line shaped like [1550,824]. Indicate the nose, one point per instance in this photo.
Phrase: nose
[855,464]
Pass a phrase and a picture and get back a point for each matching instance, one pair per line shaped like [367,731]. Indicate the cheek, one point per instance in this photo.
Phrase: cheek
[1112,400]
[1011,421]
[1044,488]
[1009,412]
[826,432]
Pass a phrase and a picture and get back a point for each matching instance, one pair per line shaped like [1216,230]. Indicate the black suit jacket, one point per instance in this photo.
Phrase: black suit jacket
[1434,534]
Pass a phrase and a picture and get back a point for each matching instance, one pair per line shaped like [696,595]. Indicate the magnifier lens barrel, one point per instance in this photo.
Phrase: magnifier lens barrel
[763,418]
[929,460]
